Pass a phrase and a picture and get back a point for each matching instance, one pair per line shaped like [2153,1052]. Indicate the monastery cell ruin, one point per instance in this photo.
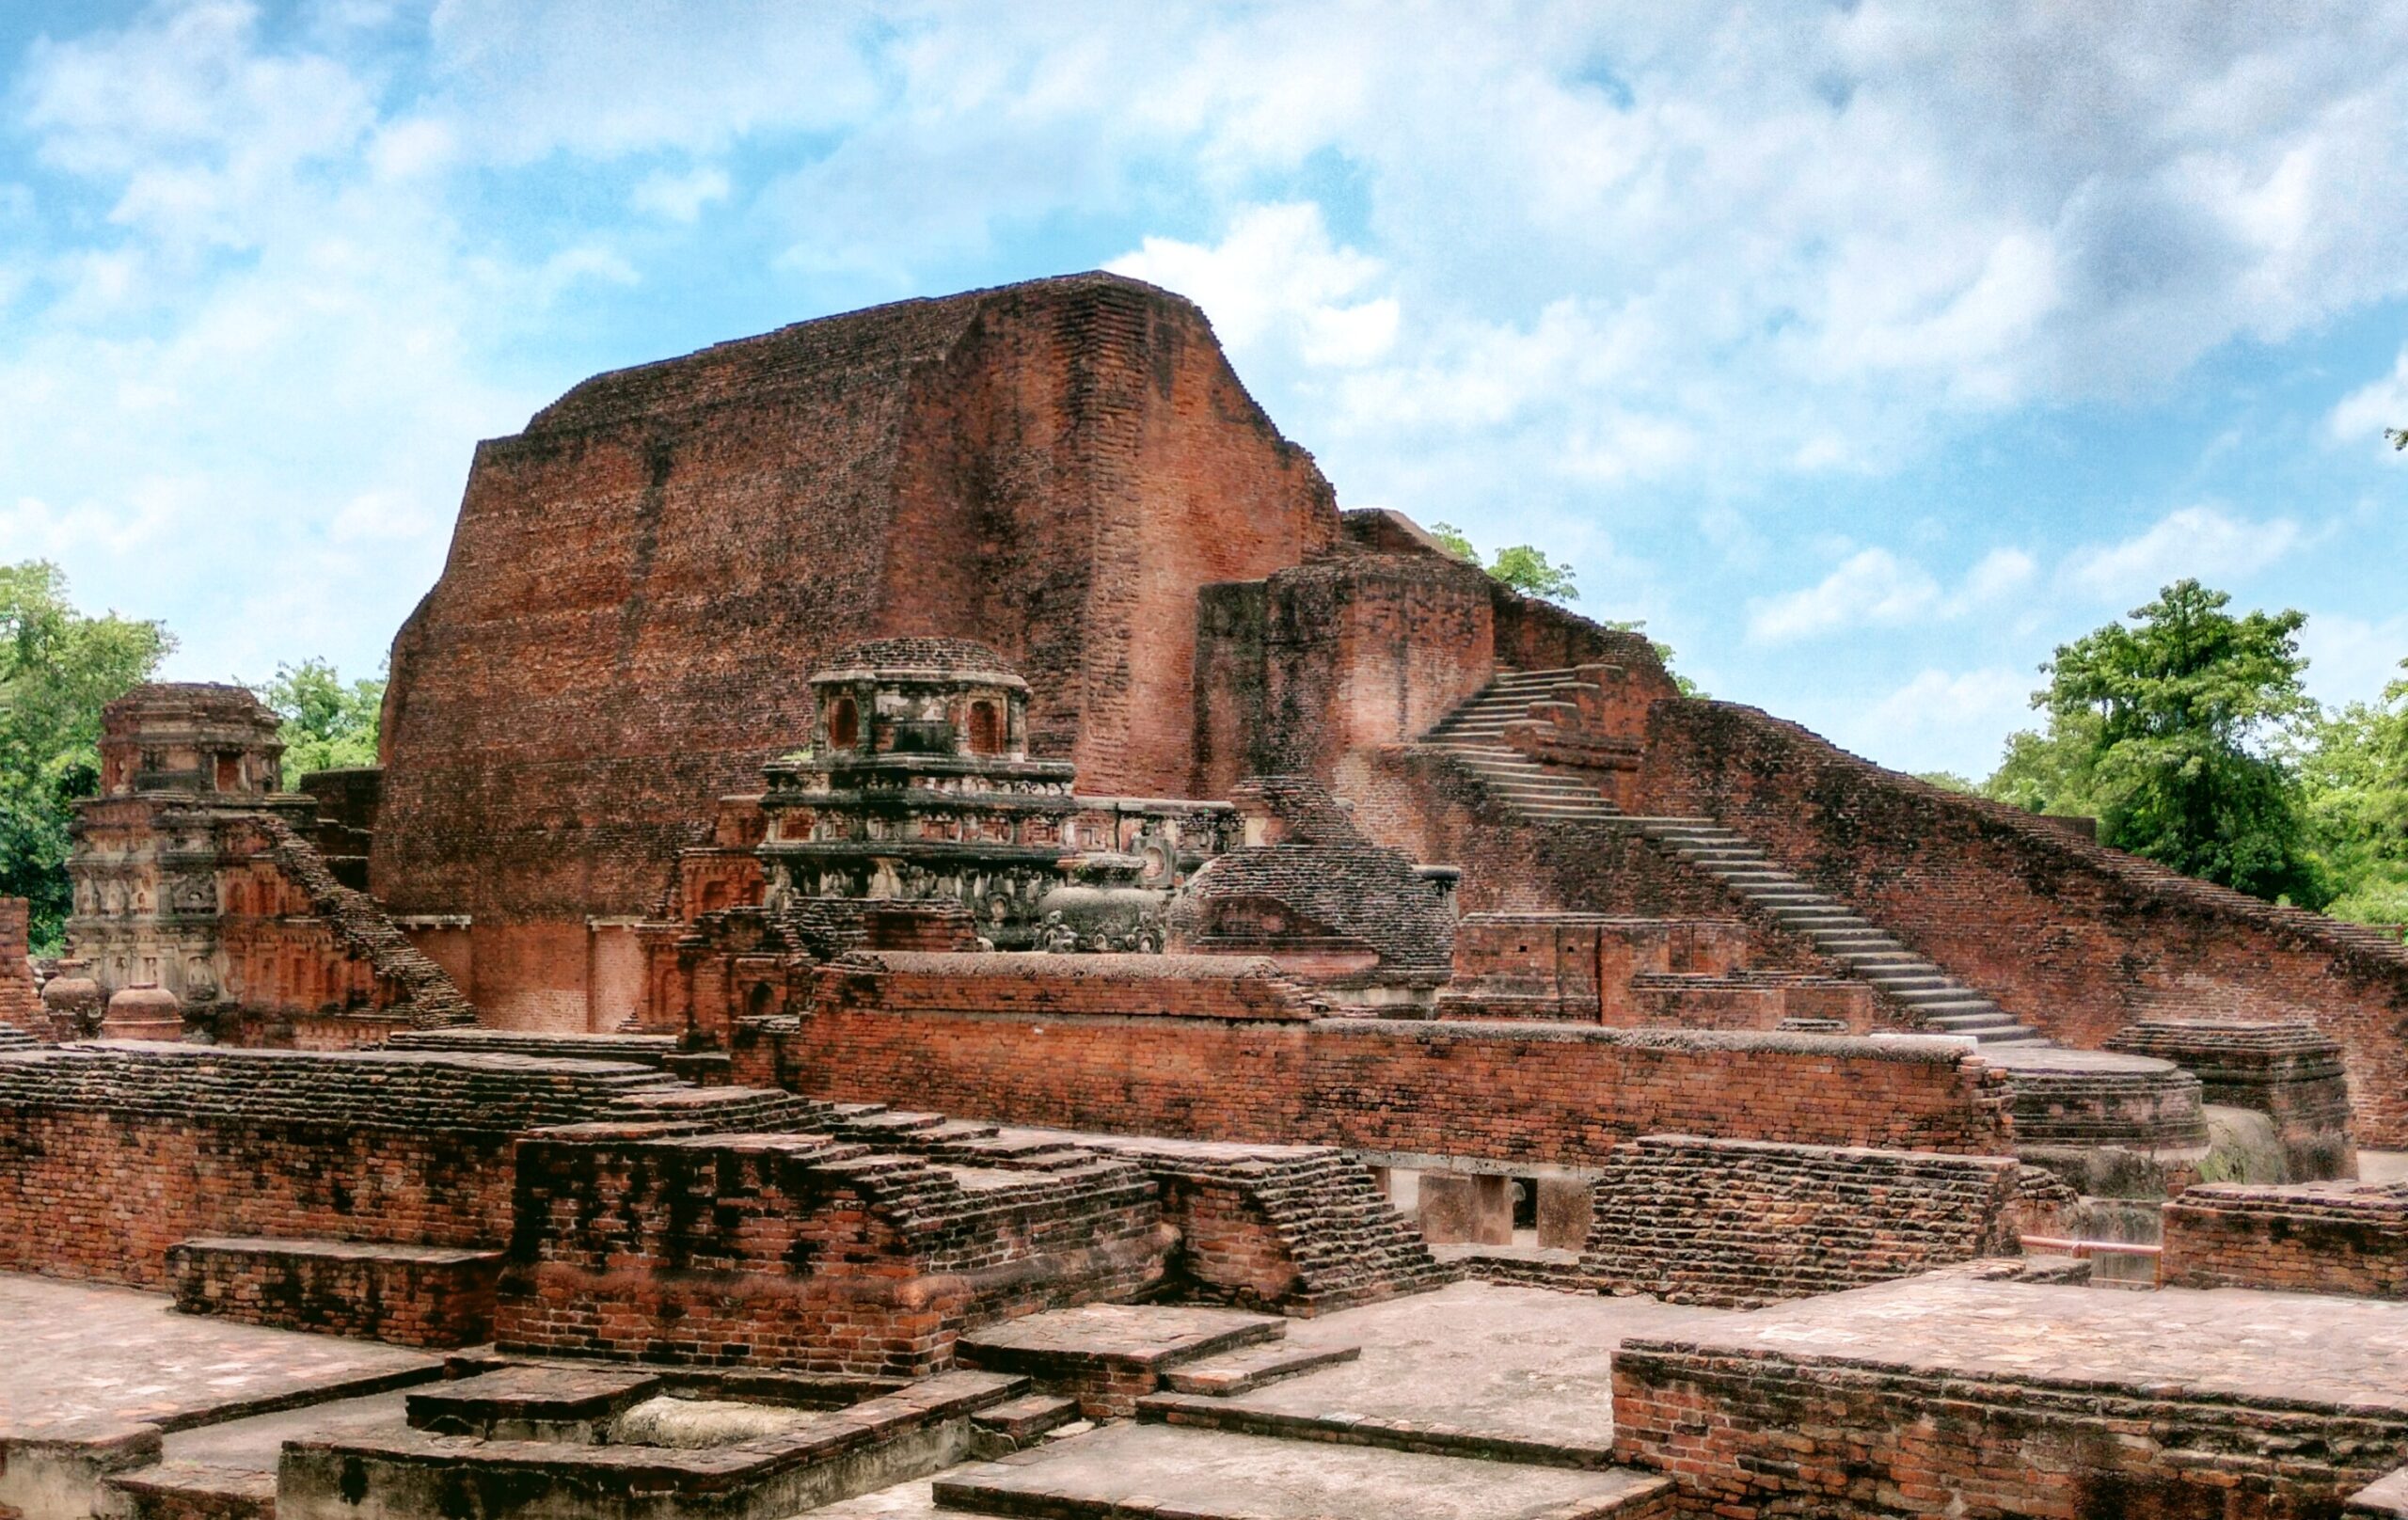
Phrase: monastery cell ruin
[938,930]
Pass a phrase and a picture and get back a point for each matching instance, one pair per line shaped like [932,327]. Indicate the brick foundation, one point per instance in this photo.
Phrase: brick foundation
[954,1034]
[406,1295]
[2311,1237]
[1736,1223]
[802,1252]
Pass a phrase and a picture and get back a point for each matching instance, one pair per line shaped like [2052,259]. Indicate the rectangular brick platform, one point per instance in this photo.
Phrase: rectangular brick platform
[1947,1394]
[1161,1470]
[2310,1238]
[409,1295]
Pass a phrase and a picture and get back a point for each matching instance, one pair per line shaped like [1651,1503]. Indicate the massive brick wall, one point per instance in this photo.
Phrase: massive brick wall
[799,1251]
[2310,1238]
[943,1032]
[1301,671]
[111,1154]
[1736,1223]
[641,581]
[2073,938]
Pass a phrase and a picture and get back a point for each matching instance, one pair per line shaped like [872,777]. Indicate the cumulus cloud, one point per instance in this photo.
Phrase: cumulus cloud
[2204,542]
[679,197]
[1276,277]
[1537,271]
[1875,588]
[2368,411]
[1872,586]
[1945,720]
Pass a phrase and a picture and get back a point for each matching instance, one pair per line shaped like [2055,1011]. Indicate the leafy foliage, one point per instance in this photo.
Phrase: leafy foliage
[326,722]
[2354,767]
[58,669]
[1525,568]
[2174,733]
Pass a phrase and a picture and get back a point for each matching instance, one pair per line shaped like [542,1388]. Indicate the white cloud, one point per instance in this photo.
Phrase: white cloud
[1278,278]
[679,197]
[2000,573]
[1875,588]
[1872,586]
[1944,720]
[2378,405]
[2354,658]
[2205,542]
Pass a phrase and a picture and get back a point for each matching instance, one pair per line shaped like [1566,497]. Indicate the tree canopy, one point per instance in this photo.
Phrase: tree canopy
[1522,566]
[2177,733]
[327,723]
[58,668]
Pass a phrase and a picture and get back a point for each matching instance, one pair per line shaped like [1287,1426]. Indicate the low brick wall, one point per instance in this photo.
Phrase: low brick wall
[2288,1071]
[1736,1223]
[1751,1436]
[802,1252]
[914,1031]
[405,1295]
[111,1154]
[2307,1238]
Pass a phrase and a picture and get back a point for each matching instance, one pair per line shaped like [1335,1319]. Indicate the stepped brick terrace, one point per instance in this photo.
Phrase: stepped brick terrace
[940,931]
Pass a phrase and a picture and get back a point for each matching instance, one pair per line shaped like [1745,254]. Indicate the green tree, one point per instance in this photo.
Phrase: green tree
[1948,781]
[2172,732]
[327,723]
[2354,767]
[58,669]
[1525,568]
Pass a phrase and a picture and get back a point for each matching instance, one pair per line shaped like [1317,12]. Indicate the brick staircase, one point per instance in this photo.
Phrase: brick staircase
[1860,948]
[1474,734]
[1348,1244]
[1473,737]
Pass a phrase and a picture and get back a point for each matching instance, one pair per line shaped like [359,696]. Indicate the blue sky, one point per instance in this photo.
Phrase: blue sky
[1866,351]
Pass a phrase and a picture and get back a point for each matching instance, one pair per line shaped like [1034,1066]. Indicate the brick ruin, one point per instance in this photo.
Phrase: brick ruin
[922,872]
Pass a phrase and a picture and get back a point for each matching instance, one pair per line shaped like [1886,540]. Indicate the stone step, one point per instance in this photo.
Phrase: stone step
[1197,1474]
[1283,1419]
[1107,1354]
[1242,1371]
[1026,1418]
[184,1490]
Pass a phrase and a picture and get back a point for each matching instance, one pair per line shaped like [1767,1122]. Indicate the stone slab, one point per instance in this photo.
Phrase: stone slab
[93,1363]
[1520,1364]
[2232,1343]
[1135,1470]
[517,1395]
[1130,1336]
[1030,1415]
[1241,1371]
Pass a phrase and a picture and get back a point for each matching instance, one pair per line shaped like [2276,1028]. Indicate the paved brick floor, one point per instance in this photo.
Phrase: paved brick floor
[79,1362]
[2231,1341]
[1519,1362]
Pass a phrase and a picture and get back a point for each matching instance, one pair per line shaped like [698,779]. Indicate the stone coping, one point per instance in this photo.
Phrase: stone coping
[1040,966]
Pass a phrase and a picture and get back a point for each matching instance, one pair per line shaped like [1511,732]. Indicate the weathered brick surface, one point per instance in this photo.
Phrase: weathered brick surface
[942,1032]
[405,1295]
[2075,939]
[19,1000]
[800,1251]
[641,579]
[1759,1435]
[109,1155]
[2307,1238]
[1736,1224]
[2288,1071]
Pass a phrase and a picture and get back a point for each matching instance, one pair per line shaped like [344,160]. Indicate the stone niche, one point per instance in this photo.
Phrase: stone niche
[917,784]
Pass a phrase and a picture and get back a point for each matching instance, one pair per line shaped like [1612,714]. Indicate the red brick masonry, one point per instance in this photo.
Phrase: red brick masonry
[2308,1238]
[1096,1053]
[403,1294]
